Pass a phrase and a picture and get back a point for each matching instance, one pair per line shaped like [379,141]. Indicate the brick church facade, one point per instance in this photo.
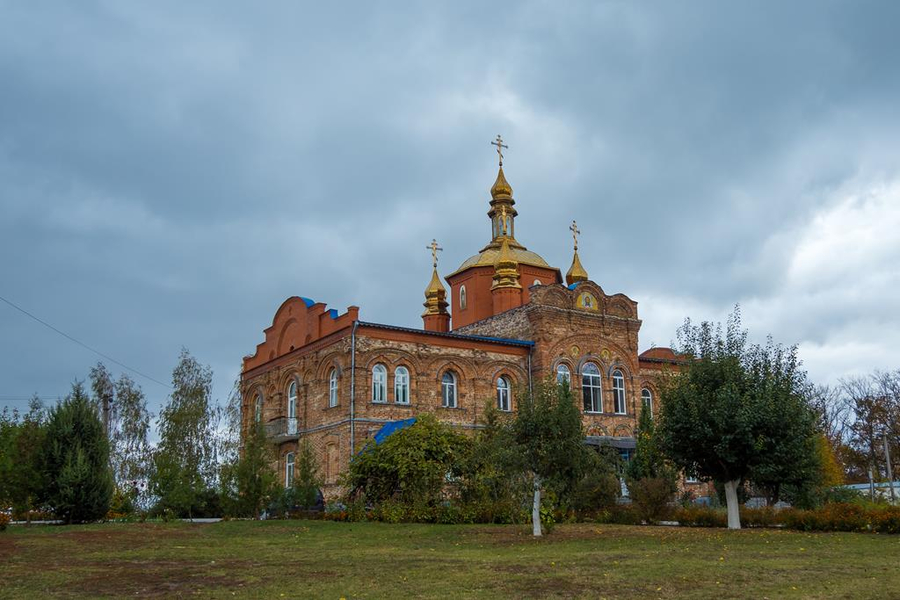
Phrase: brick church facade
[510,320]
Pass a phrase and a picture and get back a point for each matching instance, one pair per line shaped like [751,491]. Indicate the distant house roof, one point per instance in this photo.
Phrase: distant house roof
[661,355]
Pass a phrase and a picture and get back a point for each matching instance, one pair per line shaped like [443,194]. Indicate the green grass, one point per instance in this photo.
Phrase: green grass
[314,559]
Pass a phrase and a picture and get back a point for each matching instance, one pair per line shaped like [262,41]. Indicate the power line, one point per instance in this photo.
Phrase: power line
[83,345]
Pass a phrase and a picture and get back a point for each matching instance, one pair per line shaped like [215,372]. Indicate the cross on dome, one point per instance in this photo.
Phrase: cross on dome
[575,231]
[500,146]
[433,246]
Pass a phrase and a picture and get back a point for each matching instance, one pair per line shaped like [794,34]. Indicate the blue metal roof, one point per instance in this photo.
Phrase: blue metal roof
[307,301]
[389,428]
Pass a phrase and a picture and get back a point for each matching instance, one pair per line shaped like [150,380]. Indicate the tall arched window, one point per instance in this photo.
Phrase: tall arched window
[379,384]
[563,375]
[647,400]
[401,385]
[257,411]
[590,388]
[619,392]
[288,469]
[503,394]
[333,388]
[448,390]
[292,408]
[462,297]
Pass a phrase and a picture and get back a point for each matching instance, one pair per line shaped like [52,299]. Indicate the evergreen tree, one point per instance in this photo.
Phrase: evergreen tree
[184,463]
[307,481]
[21,446]
[250,482]
[76,460]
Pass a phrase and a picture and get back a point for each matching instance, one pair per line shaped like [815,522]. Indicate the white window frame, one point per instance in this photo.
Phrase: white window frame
[379,384]
[449,397]
[563,373]
[401,385]
[503,394]
[618,381]
[332,389]
[288,469]
[591,388]
[647,400]
[292,400]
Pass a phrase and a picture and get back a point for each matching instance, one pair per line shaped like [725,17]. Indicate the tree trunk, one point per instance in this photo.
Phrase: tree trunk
[536,508]
[731,500]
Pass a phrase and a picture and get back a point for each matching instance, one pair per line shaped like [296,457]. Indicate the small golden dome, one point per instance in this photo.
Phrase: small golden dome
[501,187]
[576,271]
[435,296]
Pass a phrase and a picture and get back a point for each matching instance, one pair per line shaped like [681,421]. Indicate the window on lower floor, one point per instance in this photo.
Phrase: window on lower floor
[503,388]
[619,392]
[401,385]
[448,390]
[647,400]
[379,384]
[289,469]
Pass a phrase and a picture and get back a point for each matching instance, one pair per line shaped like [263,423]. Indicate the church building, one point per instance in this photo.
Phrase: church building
[510,319]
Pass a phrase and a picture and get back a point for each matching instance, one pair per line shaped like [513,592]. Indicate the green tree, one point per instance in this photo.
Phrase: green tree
[411,466]
[21,446]
[130,427]
[250,482]
[728,414]
[75,460]
[184,463]
[548,442]
[652,481]
[307,480]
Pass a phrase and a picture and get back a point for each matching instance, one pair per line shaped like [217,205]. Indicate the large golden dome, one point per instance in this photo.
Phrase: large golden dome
[488,256]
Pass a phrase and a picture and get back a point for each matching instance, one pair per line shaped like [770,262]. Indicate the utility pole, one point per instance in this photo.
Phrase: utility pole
[890,472]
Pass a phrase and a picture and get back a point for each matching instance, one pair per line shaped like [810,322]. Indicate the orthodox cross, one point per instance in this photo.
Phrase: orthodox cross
[500,146]
[575,231]
[433,246]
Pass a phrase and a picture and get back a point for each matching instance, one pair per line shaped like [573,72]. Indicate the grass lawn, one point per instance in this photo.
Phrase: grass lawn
[314,559]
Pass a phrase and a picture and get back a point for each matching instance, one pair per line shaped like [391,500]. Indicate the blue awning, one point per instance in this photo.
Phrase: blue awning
[389,428]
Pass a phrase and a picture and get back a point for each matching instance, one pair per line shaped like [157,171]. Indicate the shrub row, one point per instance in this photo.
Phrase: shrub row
[831,517]
[391,511]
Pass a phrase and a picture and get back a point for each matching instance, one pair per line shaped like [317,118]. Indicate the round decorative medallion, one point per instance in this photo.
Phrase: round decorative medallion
[605,354]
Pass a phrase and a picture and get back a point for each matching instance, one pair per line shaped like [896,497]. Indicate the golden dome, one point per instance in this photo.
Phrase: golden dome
[501,187]
[435,296]
[488,257]
[576,271]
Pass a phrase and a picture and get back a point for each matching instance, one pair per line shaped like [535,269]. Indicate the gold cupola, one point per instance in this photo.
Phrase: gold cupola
[506,267]
[435,317]
[576,271]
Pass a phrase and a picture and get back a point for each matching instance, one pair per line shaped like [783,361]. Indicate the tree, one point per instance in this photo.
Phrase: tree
[184,463]
[21,446]
[307,481]
[250,482]
[76,460]
[652,481]
[130,447]
[548,441]
[729,414]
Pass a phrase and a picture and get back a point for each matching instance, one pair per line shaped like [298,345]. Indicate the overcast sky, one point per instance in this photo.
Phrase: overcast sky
[170,172]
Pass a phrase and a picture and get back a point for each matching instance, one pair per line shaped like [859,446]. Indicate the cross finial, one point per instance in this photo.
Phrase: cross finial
[575,231]
[500,146]
[433,246]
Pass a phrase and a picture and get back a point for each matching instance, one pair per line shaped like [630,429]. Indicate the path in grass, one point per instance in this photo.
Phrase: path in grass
[314,559]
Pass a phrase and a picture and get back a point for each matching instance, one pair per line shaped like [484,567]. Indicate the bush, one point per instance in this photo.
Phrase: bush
[597,491]
[765,516]
[4,521]
[651,497]
[701,516]
[622,514]
[886,520]
[842,495]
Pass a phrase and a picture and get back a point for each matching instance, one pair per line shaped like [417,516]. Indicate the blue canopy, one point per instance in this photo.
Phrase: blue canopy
[390,427]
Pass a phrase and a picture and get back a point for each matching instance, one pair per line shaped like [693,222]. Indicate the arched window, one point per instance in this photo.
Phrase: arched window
[292,400]
[462,297]
[619,392]
[257,411]
[379,384]
[503,394]
[288,469]
[401,385]
[647,400]
[333,388]
[448,390]
[563,375]
[536,282]
[590,388]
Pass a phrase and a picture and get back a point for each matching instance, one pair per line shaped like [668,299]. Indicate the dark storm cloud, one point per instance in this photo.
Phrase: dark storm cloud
[170,173]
